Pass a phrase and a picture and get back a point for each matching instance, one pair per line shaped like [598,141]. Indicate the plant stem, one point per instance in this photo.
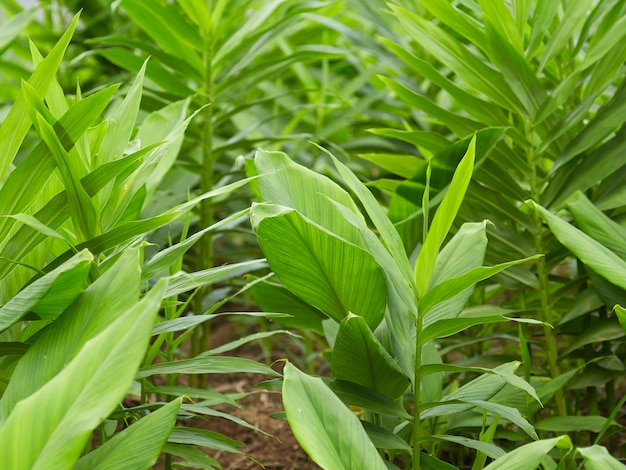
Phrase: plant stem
[200,338]
[552,350]
[417,395]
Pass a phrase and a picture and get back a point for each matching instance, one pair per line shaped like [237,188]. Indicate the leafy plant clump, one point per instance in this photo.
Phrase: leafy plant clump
[447,282]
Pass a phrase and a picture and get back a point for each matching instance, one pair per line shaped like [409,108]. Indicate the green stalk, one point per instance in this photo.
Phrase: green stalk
[552,350]
[417,395]
[200,338]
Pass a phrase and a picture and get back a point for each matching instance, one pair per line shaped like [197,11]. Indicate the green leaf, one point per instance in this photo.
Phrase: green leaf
[207,365]
[425,264]
[490,450]
[383,438]
[12,27]
[165,24]
[272,297]
[599,258]
[325,428]
[529,456]
[285,183]
[358,357]
[620,312]
[356,395]
[563,424]
[81,395]
[84,214]
[122,122]
[324,270]
[102,303]
[603,331]
[49,295]
[456,285]
[598,458]
[17,122]
[137,446]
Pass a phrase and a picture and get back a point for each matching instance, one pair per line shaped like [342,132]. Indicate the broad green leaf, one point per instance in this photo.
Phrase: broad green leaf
[325,428]
[207,365]
[324,270]
[563,424]
[49,295]
[603,261]
[286,183]
[529,456]
[388,251]
[17,122]
[358,357]
[401,165]
[81,395]
[425,264]
[137,446]
[98,306]
[598,458]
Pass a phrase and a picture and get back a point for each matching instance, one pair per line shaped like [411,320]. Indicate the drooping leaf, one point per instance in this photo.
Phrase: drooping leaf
[529,456]
[325,428]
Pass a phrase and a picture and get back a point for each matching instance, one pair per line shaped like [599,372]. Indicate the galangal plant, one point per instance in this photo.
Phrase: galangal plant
[542,84]
[79,317]
[384,320]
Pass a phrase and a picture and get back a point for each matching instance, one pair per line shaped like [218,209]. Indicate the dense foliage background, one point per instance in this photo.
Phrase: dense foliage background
[423,203]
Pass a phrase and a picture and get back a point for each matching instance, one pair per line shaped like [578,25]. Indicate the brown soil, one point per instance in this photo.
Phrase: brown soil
[279,450]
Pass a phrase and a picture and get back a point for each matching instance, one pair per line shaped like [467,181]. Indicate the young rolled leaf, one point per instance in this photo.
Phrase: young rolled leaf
[425,264]
[325,428]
